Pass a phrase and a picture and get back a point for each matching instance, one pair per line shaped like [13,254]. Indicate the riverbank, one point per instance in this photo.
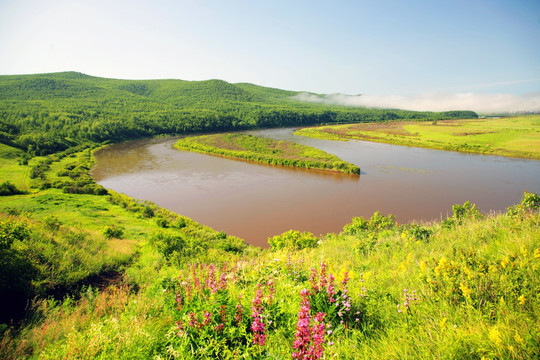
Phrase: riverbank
[266,151]
[512,136]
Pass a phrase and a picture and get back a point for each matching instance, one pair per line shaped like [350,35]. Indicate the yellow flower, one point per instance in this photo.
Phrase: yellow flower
[494,336]
[465,290]
[521,300]
[536,253]
[442,264]
[442,323]
[423,265]
[524,251]
[518,338]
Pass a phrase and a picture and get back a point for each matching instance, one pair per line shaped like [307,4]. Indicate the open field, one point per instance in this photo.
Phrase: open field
[266,151]
[511,136]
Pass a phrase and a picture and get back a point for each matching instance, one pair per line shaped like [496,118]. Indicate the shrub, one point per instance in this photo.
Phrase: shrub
[168,243]
[416,232]
[7,188]
[148,212]
[461,214]
[16,270]
[113,231]
[162,222]
[529,204]
[375,224]
[52,223]
[293,240]
[180,223]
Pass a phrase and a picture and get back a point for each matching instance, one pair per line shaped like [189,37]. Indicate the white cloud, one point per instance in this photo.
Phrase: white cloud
[479,102]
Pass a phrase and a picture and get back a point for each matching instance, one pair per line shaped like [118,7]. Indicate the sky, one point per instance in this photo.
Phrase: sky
[482,55]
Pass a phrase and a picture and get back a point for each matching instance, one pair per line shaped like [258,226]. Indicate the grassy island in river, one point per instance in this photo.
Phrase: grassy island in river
[512,136]
[266,151]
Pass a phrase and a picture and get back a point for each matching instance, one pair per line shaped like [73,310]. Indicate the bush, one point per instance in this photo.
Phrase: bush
[7,188]
[529,204]
[168,243]
[148,212]
[180,224]
[113,231]
[162,222]
[16,270]
[376,224]
[461,214]
[293,240]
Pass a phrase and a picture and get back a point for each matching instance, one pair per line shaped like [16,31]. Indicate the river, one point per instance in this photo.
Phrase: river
[255,202]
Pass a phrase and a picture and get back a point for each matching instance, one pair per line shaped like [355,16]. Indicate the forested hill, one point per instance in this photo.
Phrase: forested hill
[46,113]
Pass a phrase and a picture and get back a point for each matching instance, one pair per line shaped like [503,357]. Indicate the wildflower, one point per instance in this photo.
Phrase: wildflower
[223,281]
[309,341]
[518,338]
[272,290]
[465,290]
[239,311]
[494,336]
[330,290]
[258,327]
[314,285]
[207,317]
[442,323]
[521,300]
[423,266]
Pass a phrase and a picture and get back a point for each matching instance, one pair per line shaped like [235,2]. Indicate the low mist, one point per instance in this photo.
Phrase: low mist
[478,102]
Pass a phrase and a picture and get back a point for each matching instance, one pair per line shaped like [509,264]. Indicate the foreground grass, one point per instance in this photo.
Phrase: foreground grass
[513,136]
[465,288]
[266,151]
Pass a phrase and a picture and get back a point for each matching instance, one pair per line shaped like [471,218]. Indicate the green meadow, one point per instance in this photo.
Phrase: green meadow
[517,136]
[266,151]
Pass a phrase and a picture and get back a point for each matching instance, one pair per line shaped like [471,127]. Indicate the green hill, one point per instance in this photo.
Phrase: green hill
[47,113]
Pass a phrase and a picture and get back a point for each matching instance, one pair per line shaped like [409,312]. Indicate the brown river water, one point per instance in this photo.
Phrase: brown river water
[255,202]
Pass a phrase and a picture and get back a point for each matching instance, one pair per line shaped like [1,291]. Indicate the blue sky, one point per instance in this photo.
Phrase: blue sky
[386,48]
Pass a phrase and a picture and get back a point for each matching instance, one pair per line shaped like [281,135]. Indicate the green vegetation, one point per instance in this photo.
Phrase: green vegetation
[90,273]
[513,136]
[267,151]
[48,113]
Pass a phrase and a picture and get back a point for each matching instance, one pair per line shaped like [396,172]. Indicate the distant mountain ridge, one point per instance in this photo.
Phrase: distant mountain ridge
[45,113]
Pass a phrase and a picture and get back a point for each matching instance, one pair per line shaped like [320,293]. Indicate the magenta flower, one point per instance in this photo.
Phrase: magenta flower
[258,327]
[308,340]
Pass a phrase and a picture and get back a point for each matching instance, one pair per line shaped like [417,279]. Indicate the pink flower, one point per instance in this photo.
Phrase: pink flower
[308,340]
[258,327]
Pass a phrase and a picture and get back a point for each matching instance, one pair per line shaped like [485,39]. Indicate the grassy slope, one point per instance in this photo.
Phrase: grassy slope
[476,285]
[11,170]
[266,151]
[513,136]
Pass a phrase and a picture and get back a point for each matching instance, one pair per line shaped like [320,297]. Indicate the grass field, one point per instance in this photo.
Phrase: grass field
[266,151]
[511,136]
